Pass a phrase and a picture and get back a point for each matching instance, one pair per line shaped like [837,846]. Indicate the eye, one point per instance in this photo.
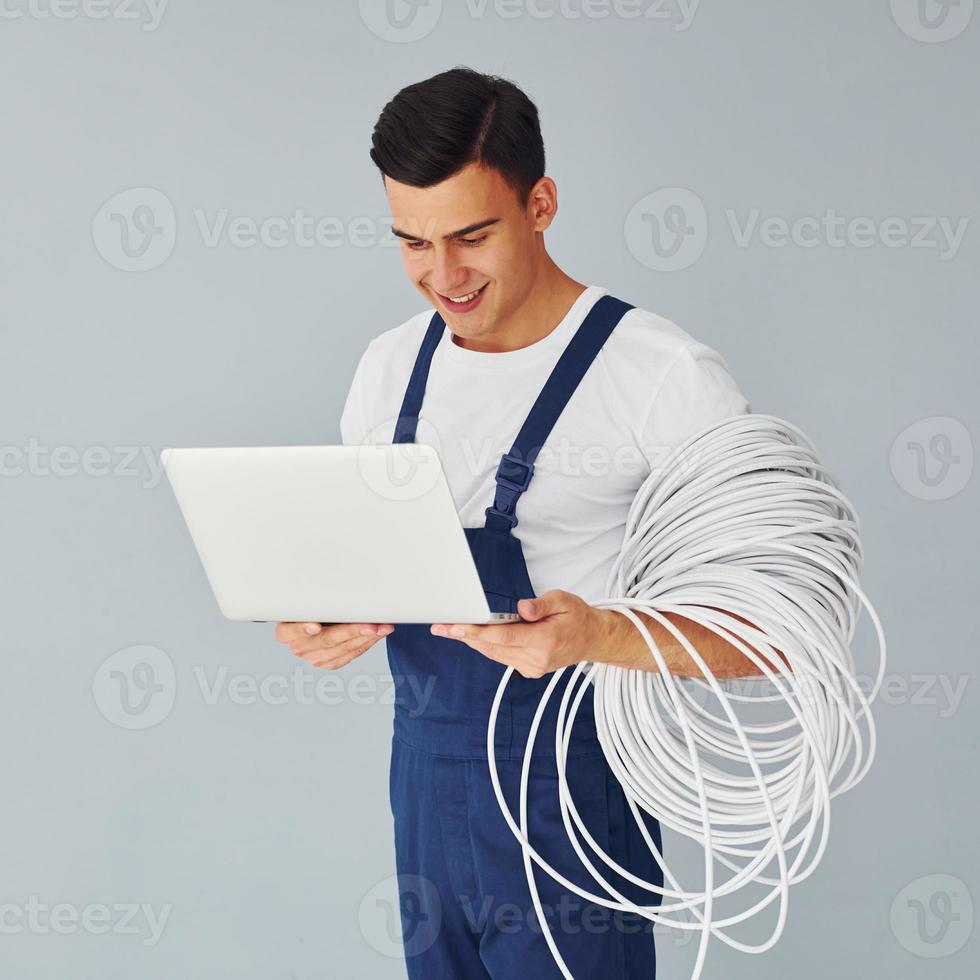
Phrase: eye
[417,246]
[474,241]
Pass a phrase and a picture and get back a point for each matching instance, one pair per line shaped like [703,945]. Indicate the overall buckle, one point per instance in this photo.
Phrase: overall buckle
[510,467]
[513,477]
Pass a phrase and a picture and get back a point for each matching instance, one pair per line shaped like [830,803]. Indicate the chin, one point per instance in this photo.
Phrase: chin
[469,333]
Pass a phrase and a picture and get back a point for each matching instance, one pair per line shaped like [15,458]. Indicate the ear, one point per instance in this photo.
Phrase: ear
[542,203]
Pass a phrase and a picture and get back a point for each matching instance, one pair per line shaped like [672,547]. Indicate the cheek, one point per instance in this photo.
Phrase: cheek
[413,264]
[491,262]
[509,256]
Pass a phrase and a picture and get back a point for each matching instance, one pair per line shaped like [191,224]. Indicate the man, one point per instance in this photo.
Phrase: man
[463,166]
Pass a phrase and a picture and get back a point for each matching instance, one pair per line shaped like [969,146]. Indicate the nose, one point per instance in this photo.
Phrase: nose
[448,273]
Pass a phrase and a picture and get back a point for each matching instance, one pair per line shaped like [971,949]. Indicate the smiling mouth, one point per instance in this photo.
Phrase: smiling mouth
[465,300]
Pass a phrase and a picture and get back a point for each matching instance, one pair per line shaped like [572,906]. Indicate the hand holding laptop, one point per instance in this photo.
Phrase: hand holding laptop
[331,645]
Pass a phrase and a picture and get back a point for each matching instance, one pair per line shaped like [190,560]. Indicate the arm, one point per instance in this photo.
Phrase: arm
[621,645]
[561,629]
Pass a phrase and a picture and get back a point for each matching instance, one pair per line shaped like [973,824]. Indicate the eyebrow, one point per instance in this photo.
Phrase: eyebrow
[468,230]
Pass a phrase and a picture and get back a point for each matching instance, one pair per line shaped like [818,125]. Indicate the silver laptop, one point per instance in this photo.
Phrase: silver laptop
[330,534]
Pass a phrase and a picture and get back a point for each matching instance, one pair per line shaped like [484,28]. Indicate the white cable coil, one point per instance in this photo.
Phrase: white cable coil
[743,519]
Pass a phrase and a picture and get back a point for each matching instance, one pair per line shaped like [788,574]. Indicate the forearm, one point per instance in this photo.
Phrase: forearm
[621,644]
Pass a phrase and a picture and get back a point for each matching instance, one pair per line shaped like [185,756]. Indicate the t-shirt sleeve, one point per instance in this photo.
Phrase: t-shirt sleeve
[354,423]
[697,391]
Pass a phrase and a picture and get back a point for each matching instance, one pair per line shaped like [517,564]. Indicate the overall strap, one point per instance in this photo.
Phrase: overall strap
[517,466]
[408,417]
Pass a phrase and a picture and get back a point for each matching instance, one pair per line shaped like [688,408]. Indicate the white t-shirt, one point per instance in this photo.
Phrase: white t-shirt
[650,387]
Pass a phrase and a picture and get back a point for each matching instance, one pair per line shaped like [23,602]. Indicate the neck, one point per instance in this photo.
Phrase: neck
[544,307]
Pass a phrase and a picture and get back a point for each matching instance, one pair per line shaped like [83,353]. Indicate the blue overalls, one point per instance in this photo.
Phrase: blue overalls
[465,905]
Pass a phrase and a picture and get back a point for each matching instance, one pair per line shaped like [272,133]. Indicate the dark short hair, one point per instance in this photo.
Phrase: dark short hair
[432,129]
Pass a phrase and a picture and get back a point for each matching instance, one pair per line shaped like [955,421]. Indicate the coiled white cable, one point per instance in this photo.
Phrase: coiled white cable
[747,520]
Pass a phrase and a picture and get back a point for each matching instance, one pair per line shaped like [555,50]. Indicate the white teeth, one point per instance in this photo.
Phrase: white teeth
[466,298]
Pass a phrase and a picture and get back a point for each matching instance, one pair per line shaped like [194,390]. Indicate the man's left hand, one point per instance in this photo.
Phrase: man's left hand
[557,629]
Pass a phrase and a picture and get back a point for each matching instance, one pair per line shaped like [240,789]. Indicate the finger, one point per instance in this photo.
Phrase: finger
[303,643]
[527,662]
[509,655]
[508,634]
[455,631]
[333,650]
[549,603]
[340,634]
[335,662]
[504,634]
[461,631]
[287,632]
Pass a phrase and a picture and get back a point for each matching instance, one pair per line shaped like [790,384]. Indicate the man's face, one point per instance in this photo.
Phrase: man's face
[468,234]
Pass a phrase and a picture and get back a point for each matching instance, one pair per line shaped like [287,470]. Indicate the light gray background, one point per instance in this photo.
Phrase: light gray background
[264,826]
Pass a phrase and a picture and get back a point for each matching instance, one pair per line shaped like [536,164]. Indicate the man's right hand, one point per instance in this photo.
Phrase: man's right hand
[332,645]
